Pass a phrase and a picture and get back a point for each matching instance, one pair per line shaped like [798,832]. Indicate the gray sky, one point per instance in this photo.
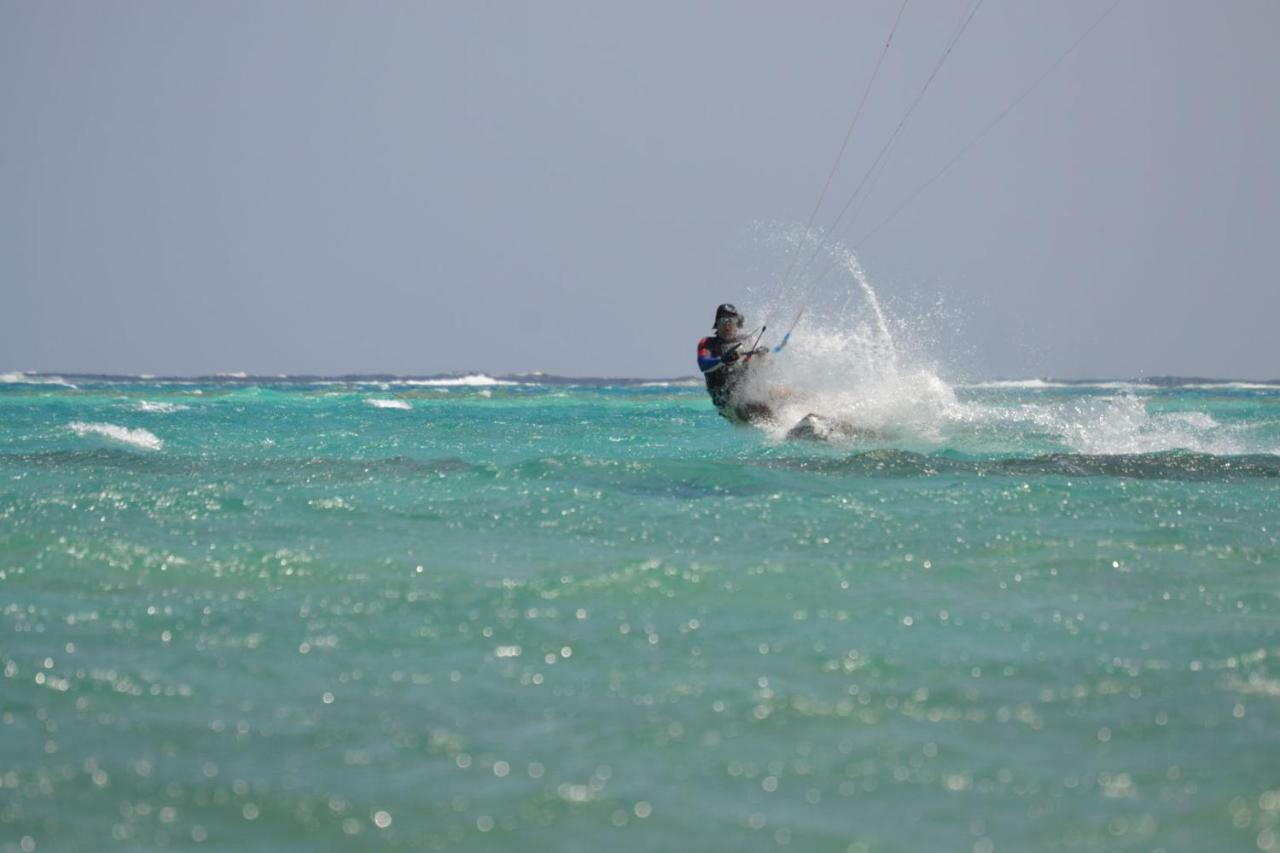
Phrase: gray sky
[330,187]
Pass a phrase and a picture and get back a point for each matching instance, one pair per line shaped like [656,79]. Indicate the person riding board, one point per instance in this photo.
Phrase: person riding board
[724,365]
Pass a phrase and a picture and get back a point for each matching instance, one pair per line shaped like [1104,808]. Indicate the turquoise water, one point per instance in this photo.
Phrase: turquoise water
[286,615]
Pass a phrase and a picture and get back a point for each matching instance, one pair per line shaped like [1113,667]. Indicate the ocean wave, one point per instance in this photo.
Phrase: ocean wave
[1125,425]
[1234,386]
[1026,384]
[1127,384]
[162,408]
[1175,465]
[1115,385]
[379,403]
[472,380]
[139,438]
[1059,385]
[317,469]
[22,378]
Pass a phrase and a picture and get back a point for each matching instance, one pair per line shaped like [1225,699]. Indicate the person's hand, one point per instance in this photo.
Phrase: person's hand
[730,354]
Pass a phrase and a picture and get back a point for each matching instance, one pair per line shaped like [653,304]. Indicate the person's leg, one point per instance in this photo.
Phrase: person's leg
[752,412]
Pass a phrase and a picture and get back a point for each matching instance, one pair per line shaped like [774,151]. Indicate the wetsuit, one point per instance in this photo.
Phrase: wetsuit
[723,377]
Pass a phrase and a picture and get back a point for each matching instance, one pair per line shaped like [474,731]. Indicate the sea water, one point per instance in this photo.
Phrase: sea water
[479,614]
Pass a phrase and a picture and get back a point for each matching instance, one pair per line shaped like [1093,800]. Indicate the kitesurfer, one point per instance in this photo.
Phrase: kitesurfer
[724,359]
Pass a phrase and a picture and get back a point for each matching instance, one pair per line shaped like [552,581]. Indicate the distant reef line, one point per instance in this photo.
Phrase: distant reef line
[539,378]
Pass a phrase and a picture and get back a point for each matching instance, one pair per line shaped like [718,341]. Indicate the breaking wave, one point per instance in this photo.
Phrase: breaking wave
[162,408]
[139,438]
[22,378]
[876,380]
[1175,465]
[469,381]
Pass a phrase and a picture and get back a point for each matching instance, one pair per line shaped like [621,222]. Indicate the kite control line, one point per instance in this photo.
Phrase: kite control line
[787,335]
[756,343]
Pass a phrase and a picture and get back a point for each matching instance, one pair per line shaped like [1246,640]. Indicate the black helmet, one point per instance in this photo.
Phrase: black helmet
[727,310]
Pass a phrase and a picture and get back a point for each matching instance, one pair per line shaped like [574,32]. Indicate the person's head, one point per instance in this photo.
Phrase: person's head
[728,321]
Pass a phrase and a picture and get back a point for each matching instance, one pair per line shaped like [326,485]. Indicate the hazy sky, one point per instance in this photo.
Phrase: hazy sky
[328,187]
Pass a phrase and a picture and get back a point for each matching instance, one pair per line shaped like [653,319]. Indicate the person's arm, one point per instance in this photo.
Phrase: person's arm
[709,363]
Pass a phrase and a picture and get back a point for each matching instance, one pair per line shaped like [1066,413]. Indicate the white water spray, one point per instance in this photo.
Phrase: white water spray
[856,363]
[846,259]
[844,363]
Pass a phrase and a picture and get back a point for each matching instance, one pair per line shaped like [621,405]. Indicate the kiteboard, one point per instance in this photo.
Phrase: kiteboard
[815,427]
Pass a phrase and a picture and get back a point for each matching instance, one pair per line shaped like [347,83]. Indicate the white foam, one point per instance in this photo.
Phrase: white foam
[1048,384]
[388,404]
[1129,387]
[139,438]
[1234,386]
[24,378]
[1124,424]
[849,360]
[1021,384]
[162,408]
[1120,424]
[474,380]
[854,376]
[235,374]
[861,367]
[673,383]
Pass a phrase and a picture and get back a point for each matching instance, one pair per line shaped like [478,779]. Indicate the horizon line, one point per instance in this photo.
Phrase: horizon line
[537,377]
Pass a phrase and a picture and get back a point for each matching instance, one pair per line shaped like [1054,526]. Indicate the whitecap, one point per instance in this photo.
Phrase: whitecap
[162,408]
[1028,384]
[1234,386]
[388,404]
[1118,386]
[1044,384]
[329,503]
[24,378]
[673,383]
[1124,425]
[139,438]
[470,380]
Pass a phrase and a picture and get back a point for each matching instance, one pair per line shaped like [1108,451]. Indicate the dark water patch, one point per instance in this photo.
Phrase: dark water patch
[1173,465]
[657,476]
[361,378]
[330,468]
[1181,381]
[693,477]
[408,467]
[102,457]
